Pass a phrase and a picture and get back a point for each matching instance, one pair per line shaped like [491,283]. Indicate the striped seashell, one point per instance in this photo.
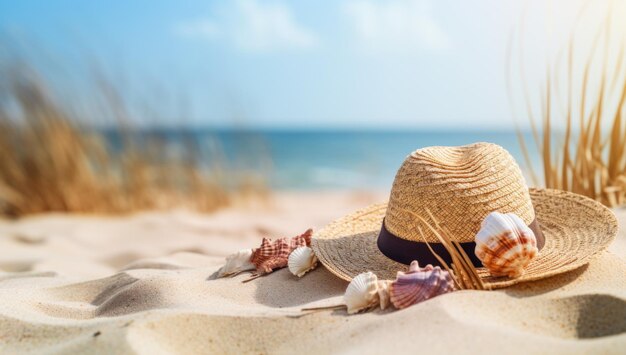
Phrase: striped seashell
[303,239]
[236,263]
[419,284]
[362,293]
[271,255]
[274,255]
[505,244]
[301,261]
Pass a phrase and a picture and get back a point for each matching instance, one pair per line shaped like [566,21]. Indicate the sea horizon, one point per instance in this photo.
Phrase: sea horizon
[339,158]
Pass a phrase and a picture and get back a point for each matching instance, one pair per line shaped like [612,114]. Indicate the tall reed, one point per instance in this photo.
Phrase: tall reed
[588,157]
[50,161]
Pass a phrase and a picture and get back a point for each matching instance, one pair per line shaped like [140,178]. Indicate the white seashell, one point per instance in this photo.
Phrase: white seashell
[301,261]
[505,244]
[383,293]
[236,263]
[362,293]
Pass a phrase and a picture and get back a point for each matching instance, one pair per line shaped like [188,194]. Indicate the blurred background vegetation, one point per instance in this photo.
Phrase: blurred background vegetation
[51,160]
[278,100]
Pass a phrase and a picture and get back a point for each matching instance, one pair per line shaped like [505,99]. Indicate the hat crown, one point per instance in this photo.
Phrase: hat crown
[460,186]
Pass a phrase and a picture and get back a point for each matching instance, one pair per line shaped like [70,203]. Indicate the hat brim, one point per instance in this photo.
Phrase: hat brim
[576,229]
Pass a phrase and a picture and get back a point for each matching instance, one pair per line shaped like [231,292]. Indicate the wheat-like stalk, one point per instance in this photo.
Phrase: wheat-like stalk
[49,162]
[461,268]
[586,158]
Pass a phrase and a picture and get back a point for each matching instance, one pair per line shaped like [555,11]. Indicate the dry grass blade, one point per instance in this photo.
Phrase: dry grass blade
[251,278]
[459,283]
[460,257]
[462,270]
[324,308]
[590,161]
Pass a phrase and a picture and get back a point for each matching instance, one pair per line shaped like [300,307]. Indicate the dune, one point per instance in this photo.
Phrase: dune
[146,284]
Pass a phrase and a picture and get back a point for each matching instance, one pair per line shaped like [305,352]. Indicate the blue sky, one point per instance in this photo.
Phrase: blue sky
[308,63]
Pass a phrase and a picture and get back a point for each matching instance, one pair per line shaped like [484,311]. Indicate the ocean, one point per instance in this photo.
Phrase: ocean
[324,159]
[343,159]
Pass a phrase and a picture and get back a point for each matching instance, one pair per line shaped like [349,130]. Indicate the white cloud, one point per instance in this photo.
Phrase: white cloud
[253,26]
[396,25]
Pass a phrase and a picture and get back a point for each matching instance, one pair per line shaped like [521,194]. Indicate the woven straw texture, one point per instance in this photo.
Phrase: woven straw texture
[576,229]
[458,185]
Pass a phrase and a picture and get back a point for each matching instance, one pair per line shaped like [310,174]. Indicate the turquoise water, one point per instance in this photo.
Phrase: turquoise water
[322,159]
[346,159]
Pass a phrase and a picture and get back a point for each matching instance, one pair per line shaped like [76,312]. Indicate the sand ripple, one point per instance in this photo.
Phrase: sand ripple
[168,302]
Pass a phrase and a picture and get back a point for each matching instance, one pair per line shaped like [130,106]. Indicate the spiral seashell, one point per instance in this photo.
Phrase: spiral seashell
[271,255]
[274,255]
[304,238]
[236,263]
[362,293]
[419,284]
[505,244]
[301,261]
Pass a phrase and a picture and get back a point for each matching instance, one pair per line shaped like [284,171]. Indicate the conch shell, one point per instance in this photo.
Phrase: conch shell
[301,261]
[236,263]
[366,292]
[419,284]
[505,244]
[275,255]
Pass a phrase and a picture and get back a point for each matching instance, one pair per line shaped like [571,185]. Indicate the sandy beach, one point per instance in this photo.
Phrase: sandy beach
[145,284]
[144,142]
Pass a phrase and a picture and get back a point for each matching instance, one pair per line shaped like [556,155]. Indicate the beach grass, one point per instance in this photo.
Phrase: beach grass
[588,156]
[54,162]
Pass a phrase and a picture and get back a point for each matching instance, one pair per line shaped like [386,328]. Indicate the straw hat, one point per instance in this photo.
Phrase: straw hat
[460,186]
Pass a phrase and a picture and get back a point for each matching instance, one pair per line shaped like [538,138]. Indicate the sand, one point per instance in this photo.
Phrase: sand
[145,284]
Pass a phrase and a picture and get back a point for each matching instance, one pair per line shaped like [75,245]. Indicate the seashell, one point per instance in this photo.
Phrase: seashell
[271,255]
[303,239]
[419,284]
[236,263]
[383,293]
[505,244]
[362,293]
[301,261]
[274,255]
[414,267]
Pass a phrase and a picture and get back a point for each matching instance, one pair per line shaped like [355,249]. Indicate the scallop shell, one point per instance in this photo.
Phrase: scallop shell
[419,284]
[362,293]
[274,255]
[505,244]
[236,263]
[301,261]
